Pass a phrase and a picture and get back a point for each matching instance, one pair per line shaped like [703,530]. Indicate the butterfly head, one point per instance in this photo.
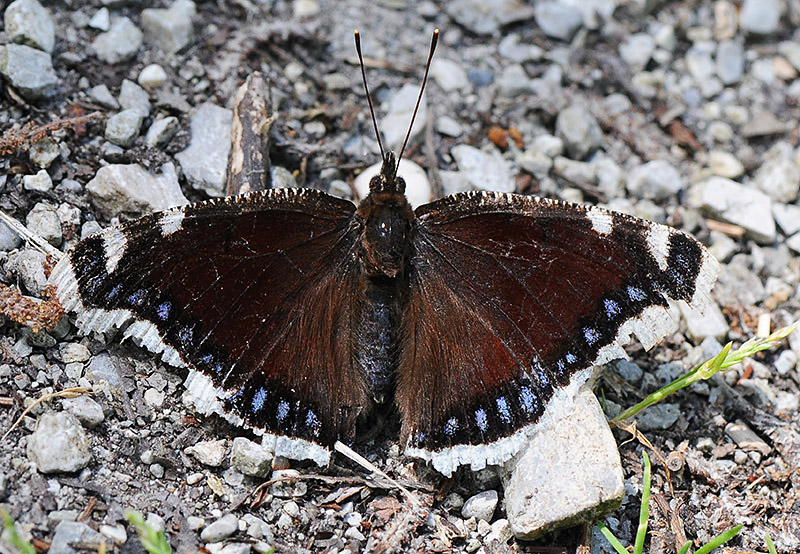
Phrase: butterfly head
[387,180]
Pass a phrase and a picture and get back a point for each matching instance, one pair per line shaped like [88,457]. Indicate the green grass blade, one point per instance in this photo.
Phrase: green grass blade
[685,548]
[611,538]
[719,540]
[644,510]
[770,546]
[723,360]
[155,542]
[13,536]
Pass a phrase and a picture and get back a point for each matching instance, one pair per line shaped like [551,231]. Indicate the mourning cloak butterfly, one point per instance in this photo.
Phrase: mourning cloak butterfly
[297,312]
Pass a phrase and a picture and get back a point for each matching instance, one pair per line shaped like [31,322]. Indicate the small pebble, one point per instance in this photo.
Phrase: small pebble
[120,43]
[152,76]
[209,453]
[59,444]
[220,529]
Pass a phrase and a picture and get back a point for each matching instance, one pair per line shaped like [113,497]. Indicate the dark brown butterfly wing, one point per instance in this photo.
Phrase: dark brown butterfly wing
[511,299]
[261,345]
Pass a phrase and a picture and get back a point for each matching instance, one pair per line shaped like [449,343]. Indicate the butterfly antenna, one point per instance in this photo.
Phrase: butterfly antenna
[366,90]
[434,41]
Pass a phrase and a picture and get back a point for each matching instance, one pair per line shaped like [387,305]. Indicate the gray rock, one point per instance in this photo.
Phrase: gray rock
[86,410]
[28,70]
[395,123]
[305,8]
[786,215]
[656,180]
[28,264]
[486,17]
[101,20]
[511,49]
[40,182]
[760,17]
[134,97]
[513,81]
[535,162]
[251,458]
[483,171]
[658,417]
[628,370]
[449,75]
[710,323]
[101,95]
[739,284]
[43,152]
[161,131]
[480,506]
[734,203]
[170,29]
[579,130]
[132,190]
[59,444]
[43,220]
[221,529]
[120,43]
[208,453]
[205,161]
[637,49]
[9,239]
[746,439]
[779,178]
[574,171]
[558,20]
[152,76]
[28,22]
[72,532]
[122,128]
[577,443]
[761,123]
[730,61]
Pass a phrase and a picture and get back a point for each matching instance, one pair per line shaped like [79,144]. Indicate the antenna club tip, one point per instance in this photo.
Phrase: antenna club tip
[436,31]
[355,31]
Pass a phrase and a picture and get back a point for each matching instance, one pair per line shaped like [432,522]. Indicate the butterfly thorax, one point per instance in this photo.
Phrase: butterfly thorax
[387,218]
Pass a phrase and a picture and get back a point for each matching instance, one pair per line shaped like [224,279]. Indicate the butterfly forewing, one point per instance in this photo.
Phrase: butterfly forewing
[511,296]
[255,292]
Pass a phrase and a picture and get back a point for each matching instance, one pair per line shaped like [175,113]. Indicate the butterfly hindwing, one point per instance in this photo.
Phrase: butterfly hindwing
[512,299]
[247,292]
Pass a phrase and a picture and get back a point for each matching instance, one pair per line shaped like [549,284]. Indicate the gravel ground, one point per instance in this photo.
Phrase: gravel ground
[681,112]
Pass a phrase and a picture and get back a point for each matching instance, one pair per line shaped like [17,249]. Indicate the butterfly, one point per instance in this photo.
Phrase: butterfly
[298,313]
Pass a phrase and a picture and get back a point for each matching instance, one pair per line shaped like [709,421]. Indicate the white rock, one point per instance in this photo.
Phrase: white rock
[40,182]
[120,43]
[101,20]
[481,506]
[787,216]
[132,190]
[738,204]
[579,130]
[395,123]
[483,171]
[205,161]
[760,17]
[558,20]
[152,76]
[170,29]
[725,164]
[59,444]
[448,74]
[656,180]
[28,22]
[418,187]
[208,453]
